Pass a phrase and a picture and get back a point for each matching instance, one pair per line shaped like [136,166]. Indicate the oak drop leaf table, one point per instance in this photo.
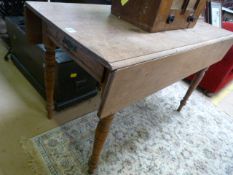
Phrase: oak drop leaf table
[128,63]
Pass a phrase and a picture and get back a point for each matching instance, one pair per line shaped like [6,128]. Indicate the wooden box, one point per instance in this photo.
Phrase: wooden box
[159,15]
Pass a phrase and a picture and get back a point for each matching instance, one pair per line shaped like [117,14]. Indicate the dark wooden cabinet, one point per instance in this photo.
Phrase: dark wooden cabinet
[159,15]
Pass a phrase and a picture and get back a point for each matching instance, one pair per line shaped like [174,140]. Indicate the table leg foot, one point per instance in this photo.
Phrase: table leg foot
[195,82]
[101,134]
[49,111]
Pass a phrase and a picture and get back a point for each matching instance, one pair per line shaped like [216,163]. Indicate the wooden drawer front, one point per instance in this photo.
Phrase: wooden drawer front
[133,83]
[80,54]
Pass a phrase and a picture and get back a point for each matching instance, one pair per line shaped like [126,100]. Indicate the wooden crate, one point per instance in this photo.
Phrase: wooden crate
[159,15]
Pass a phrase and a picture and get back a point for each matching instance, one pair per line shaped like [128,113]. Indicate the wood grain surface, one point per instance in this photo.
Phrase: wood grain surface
[159,15]
[114,41]
[133,83]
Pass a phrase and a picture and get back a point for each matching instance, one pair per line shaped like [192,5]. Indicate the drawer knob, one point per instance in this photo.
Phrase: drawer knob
[191,19]
[170,19]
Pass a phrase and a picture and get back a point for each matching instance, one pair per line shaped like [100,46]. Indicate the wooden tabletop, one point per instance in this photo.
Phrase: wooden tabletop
[120,44]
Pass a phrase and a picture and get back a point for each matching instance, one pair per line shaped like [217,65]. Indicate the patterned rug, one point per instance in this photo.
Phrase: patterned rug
[147,138]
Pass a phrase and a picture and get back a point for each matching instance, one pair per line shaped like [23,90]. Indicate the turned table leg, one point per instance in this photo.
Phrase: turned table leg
[49,74]
[195,82]
[101,134]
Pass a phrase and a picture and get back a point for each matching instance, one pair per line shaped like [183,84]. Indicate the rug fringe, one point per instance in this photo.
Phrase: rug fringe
[35,161]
